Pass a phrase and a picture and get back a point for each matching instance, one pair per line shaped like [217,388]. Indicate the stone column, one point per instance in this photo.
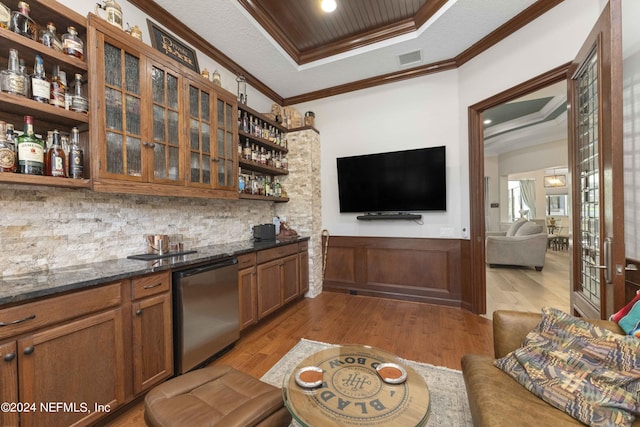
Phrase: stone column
[304,209]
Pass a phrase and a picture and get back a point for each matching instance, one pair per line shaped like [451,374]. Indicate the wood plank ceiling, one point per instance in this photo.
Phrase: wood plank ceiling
[307,33]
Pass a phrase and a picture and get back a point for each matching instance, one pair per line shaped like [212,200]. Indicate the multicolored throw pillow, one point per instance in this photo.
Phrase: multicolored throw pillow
[589,372]
[628,317]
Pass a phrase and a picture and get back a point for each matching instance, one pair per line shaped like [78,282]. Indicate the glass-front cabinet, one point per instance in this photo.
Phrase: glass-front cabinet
[166,130]
[212,132]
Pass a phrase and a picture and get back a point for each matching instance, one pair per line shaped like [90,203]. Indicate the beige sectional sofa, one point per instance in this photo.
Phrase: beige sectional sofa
[524,244]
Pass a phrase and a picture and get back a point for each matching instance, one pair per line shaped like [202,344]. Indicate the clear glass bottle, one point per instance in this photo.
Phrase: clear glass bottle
[241,181]
[40,84]
[11,140]
[30,150]
[58,88]
[11,80]
[50,38]
[7,151]
[278,188]
[55,160]
[79,103]
[22,23]
[5,15]
[73,45]
[76,156]
[25,77]
[68,96]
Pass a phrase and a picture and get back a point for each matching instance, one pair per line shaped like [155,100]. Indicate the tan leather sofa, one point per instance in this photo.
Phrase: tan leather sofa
[497,400]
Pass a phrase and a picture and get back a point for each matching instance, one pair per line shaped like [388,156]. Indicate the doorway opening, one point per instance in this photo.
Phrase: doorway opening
[480,204]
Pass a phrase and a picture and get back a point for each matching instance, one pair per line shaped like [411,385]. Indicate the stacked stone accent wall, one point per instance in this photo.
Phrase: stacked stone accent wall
[304,210]
[47,227]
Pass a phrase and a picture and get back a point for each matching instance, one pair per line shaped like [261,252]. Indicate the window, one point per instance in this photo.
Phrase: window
[515,200]
[557,205]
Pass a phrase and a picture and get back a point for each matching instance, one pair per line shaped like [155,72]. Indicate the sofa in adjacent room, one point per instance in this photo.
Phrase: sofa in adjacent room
[523,244]
[498,400]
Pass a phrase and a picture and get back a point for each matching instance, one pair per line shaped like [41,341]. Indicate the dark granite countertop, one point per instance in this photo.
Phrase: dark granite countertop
[21,288]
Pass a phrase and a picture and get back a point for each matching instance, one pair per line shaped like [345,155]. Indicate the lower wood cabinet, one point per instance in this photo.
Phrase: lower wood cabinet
[152,343]
[74,359]
[271,278]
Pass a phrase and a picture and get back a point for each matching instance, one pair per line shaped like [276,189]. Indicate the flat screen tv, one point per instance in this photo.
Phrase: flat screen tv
[399,181]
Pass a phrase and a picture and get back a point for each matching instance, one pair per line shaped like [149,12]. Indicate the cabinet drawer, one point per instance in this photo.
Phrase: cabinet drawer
[34,315]
[303,246]
[246,261]
[275,253]
[150,285]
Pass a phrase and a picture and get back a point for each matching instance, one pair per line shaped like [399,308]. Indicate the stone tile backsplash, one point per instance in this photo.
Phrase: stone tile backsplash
[48,227]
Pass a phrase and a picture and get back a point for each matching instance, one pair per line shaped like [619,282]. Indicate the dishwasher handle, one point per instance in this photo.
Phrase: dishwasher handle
[208,267]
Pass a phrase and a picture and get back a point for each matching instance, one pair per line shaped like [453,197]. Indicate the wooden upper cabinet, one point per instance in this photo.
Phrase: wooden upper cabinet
[212,122]
[159,128]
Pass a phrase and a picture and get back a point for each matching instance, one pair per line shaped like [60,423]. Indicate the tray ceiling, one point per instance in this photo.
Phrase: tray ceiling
[299,53]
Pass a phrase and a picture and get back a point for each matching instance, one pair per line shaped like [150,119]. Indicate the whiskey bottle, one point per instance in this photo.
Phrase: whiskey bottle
[58,88]
[72,45]
[76,156]
[7,151]
[30,150]
[241,181]
[11,80]
[246,154]
[11,140]
[55,159]
[40,85]
[79,103]
[22,23]
[50,38]
[278,189]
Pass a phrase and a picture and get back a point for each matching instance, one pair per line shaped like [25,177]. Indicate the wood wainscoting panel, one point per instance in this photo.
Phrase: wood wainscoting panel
[424,270]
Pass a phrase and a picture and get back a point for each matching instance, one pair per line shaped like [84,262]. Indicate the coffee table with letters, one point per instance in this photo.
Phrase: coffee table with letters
[352,392]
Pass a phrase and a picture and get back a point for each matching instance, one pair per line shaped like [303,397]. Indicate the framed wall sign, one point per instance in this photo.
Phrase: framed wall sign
[170,46]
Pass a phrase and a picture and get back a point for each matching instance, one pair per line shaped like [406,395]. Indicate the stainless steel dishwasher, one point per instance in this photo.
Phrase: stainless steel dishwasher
[205,312]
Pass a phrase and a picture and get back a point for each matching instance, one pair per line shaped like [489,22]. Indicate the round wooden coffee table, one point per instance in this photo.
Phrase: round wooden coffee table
[353,393]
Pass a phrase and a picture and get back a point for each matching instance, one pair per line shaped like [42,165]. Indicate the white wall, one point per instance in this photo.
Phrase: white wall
[432,110]
[411,114]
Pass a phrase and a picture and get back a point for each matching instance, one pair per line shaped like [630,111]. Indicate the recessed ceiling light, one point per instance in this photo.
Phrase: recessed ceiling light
[487,122]
[328,5]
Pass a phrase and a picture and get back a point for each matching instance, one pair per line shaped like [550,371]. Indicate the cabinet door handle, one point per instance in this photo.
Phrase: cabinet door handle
[152,144]
[138,312]
[153,286]
[29,350]
[9,357]
[215,160]
[145,143]
[15,322]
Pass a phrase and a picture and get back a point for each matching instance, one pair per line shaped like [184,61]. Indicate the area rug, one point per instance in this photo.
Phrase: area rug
[449,404]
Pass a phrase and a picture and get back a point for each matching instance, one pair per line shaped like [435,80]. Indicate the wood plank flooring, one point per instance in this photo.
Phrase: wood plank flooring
[524,289]
[415,331]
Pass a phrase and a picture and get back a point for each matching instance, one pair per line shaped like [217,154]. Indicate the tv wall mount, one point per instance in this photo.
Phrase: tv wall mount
[392,216]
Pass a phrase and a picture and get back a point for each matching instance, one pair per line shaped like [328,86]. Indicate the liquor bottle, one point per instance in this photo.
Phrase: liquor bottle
[58,88]
[246,154]
[241,181]
[22,23]
[255,157]
[30,150]
[40,85]
[7,151]
[278,162]
[72,45]
[55,160]
[284,162]
[11,80]
[11,140]
[5,15]
[278,189]
[68,96]
[25,77]
[79,103]
[50,38]
[76,156]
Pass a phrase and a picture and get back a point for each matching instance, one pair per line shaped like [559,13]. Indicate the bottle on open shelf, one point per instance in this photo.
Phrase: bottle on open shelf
[21,23]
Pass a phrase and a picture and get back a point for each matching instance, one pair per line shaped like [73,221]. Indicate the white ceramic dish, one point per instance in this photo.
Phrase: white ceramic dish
[392,373]
[309,384]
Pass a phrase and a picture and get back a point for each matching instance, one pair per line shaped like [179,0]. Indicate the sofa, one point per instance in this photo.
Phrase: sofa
[497,400]
[523,244]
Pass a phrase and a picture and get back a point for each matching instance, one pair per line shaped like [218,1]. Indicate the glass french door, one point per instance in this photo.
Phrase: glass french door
[596,155]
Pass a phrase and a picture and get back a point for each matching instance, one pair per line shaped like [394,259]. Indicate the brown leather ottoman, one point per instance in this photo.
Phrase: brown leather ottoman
[215,396]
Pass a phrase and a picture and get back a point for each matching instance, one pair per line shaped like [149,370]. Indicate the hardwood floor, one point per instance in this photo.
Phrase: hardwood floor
[415,331]
[524,289]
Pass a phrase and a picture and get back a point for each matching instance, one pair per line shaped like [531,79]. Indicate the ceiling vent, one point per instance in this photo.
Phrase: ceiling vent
[410,58]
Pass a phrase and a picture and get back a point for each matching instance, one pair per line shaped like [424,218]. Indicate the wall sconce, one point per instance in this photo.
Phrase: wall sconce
[242,89]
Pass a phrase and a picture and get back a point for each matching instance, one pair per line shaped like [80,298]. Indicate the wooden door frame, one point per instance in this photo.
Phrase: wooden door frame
[478,294]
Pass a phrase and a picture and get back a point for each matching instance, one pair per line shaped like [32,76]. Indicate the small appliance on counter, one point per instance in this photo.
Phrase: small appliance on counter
[264,232]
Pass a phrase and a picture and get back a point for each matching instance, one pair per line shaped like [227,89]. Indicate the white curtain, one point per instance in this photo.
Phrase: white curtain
[528,193]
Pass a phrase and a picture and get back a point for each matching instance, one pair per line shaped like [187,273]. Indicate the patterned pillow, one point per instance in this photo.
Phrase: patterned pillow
[589,372]
[628,317]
